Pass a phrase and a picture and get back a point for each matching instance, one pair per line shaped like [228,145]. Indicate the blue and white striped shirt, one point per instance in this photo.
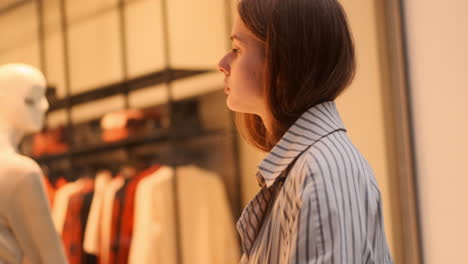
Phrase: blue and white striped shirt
[320,202]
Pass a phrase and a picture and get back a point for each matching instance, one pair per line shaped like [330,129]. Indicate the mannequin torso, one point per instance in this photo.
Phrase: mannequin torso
[18,176]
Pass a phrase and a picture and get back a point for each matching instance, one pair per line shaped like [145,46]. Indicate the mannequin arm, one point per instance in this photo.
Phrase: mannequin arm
[30,220]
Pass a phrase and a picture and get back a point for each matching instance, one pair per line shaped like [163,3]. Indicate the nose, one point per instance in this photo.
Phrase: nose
[223,65]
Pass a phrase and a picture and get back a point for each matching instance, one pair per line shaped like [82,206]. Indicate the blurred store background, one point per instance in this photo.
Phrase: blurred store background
[136,100]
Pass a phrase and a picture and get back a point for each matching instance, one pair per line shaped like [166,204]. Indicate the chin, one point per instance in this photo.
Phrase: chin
[238,106]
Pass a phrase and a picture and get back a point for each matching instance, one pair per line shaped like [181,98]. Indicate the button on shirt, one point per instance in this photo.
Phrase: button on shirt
[319,202]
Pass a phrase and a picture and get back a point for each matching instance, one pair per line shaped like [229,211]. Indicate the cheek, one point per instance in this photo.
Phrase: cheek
[246,85]
[33,113]
[247,77]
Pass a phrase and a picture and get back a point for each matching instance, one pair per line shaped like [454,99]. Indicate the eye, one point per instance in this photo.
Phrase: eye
[29,101]
[235,50]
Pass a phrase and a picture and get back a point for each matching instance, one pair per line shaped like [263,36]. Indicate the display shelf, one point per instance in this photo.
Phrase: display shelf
[144,81]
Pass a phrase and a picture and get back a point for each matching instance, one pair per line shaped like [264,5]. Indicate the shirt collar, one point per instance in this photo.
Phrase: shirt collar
[314,124]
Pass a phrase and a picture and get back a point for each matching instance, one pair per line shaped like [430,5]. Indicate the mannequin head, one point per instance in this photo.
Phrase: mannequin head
[22,98]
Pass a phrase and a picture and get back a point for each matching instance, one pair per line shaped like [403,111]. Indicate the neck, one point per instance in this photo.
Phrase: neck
[9,137]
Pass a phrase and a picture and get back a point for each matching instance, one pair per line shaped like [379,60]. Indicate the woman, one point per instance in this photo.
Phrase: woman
[319,201]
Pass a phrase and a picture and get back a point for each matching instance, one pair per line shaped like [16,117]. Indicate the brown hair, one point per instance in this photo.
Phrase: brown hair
[309,60]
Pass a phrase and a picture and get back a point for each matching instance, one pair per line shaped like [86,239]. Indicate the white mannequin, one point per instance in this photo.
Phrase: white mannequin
[27,233]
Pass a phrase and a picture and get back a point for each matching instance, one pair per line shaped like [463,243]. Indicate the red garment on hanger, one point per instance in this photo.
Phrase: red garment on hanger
[117,206]
[49,189]
[60,182]
[128,213]
[73,232]
[123,218]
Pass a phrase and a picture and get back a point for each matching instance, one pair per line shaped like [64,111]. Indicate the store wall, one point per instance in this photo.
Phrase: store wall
[94,43]
[22,42]
[438,67]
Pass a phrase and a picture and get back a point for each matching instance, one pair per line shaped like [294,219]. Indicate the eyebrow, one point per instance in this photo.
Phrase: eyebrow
[236,37]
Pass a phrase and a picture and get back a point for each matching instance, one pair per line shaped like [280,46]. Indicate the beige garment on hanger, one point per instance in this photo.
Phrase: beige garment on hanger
[91,235]
[154,237]
[207,228]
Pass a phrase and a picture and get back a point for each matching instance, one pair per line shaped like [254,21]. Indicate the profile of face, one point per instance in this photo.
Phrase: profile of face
[243,68]
[23,103]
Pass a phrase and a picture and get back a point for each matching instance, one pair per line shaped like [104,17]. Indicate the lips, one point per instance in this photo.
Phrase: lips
[226,87]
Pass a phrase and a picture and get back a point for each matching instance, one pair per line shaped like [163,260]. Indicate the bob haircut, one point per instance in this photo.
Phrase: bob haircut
[309,59]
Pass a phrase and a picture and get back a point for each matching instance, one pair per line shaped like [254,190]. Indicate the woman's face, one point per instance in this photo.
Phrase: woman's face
[243,69]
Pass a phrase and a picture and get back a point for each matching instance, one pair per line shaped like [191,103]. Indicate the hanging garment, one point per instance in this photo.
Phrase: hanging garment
[117,219]
[106,219]
[61,200]
[87,200]
[60,183]
[91,238]
[207,229]
[127,215]
[154,234]
[50,190]
[73,231]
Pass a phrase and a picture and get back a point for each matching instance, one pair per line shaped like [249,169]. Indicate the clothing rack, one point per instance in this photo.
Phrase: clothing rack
[124,87]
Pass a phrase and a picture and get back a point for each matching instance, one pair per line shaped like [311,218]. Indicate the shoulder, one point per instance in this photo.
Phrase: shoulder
[17,170]
[334,164]
[21,183]
[336,154]
[18,164]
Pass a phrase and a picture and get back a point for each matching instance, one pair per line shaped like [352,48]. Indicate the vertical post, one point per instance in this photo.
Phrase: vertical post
[406,182]
[124,61]
[41,41]
[123,50]
[171,136]
[41,35]
[66,67]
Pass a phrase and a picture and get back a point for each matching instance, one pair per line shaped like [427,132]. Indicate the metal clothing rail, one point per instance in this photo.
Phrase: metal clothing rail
[161,137]
[124,87]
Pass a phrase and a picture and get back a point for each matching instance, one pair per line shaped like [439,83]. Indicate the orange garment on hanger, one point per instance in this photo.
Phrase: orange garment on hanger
[49,142]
